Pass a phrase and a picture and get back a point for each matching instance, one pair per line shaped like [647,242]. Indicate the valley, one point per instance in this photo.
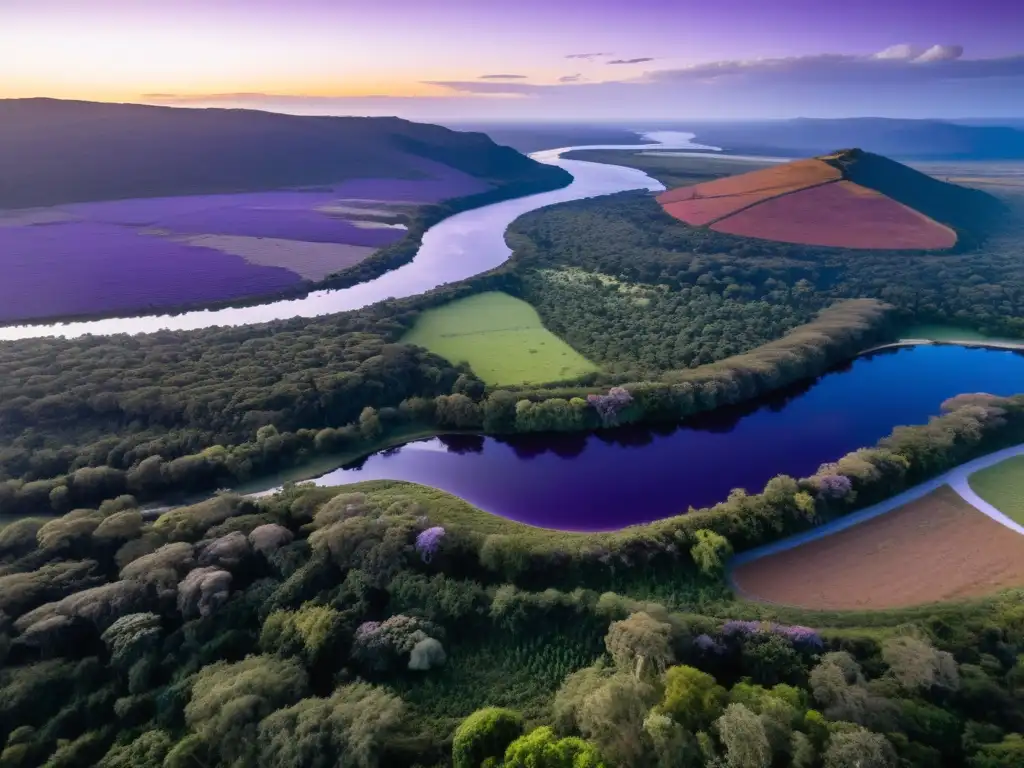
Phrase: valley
[595,454]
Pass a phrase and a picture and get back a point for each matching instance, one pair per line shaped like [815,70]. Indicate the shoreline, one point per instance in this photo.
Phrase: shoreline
[956,479]
[975,343]
[265,487]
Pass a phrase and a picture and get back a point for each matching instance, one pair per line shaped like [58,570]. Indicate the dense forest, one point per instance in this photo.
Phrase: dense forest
[88,419]
[390,625]
[635,289]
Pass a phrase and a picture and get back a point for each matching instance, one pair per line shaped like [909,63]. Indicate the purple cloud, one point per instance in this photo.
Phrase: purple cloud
[901,81]
[899,63]
[630,61]
[587,56]
[502,77]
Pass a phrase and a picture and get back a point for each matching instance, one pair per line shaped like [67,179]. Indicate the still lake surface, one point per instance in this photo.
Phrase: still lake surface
[614,478]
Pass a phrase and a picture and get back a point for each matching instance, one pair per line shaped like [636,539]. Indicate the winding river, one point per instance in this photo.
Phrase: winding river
[457,248]
[614,478]
[620,477]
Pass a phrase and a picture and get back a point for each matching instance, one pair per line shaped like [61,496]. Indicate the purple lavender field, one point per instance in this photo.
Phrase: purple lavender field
[81,268]
[282,223]
[100,261]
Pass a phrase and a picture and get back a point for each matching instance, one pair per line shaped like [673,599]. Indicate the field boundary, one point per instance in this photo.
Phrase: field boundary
[955,478]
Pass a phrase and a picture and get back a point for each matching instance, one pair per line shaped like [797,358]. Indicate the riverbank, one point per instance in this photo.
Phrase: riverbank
[956,478]
[860,561]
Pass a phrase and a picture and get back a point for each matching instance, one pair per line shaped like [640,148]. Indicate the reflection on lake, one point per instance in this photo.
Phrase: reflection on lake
[614,478]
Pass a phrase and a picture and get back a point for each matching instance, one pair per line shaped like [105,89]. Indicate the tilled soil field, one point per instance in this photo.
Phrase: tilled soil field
[937,548]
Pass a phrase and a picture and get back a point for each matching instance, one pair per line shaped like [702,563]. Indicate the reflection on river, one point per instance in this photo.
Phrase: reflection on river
[619,477]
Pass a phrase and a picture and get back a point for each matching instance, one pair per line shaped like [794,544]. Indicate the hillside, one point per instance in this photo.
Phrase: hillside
[904,139]
[55,152]
[847,199]
[532,137]
[966,210]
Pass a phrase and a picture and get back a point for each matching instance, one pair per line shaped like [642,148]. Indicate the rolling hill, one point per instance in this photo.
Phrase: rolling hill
[846,199]
[55,151]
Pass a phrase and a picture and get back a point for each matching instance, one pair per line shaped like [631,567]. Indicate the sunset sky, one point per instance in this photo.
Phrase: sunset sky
[563,59]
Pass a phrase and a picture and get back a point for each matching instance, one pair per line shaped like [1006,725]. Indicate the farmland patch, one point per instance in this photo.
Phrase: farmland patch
[702,204]
[841,215]
[1002,486]
[84,268]
[934,549]
[312,261]
[502,339]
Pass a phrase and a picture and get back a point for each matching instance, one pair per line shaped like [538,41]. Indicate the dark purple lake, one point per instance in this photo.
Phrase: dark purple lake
[615,478]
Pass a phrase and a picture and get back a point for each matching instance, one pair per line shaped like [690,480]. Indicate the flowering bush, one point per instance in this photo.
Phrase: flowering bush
[381,644]
[428,541]
[798,635]
[834,486]
[611,405]
[708,644]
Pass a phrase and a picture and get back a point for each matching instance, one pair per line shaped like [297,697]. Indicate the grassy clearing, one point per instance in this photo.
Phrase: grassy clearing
[501,338]
[1002,486]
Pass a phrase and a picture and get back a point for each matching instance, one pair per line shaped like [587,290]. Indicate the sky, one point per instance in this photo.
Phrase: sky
[528,59]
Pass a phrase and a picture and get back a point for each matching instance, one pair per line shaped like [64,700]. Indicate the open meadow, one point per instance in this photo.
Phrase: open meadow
[938,548]
[502,339]
[1002,486]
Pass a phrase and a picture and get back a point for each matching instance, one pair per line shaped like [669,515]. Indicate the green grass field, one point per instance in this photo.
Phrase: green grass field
[502,339]
[1002,486]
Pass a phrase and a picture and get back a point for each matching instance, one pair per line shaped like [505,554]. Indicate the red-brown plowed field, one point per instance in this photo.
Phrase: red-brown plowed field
[842,215]
[936,548]
[702,204]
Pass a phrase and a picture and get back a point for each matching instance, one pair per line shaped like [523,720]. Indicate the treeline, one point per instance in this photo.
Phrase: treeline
[324,627]
[388,389]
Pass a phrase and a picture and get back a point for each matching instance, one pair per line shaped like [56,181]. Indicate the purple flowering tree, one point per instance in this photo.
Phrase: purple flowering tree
[804,637]
[801,637]
[834,486]
[708,644]
[610,406]
[428,541]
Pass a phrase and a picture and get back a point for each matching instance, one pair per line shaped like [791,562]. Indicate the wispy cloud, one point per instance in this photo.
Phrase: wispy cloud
[899,63]
[487,87]
[899,81]
[630,61]
[588,56]
[941,53]
[502,77]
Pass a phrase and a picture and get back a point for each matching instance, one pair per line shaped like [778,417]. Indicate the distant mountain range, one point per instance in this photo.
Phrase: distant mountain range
[531,136]
[54,152]
[903,139]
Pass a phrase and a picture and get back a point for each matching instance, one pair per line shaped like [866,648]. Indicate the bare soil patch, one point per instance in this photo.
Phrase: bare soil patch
[702,204]
[842,215]
[937,548]
[312,261]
